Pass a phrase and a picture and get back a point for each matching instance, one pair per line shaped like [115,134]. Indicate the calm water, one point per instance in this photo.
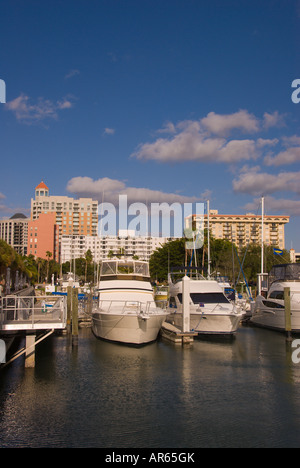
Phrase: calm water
[226,393]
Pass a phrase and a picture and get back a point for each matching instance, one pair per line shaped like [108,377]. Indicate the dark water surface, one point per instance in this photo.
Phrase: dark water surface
[243,392]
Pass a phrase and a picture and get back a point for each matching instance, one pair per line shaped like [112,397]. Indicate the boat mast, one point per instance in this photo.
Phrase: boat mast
[262,233]
[208,242]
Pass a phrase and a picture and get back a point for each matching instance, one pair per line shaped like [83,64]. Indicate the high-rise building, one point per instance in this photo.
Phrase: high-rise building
[74,217]
[43,236]
[243,229]
[14,231]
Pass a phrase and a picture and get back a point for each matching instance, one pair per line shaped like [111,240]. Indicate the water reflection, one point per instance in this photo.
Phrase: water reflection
[217,393]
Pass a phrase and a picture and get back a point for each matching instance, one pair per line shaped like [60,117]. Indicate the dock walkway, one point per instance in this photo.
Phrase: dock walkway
[19,313]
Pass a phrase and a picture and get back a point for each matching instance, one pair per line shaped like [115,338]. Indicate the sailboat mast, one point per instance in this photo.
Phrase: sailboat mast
[262,233]
[208,241]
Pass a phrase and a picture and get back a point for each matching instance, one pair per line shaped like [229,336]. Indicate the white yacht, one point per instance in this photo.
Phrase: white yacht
[211,312]
[269,307]
[126,311]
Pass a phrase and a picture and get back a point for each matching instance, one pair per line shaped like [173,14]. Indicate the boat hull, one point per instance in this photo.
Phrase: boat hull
[274,318]
[212,324]
[128,329]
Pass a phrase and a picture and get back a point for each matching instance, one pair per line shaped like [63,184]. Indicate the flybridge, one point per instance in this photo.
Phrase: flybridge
[2,92]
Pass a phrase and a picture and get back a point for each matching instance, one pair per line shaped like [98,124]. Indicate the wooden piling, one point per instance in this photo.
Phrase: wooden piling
[69,308]
[75,317]
[288,317]
[30,351]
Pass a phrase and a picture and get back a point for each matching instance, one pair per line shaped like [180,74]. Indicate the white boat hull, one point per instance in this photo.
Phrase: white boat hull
[129,329]
[213,324]
[274,318]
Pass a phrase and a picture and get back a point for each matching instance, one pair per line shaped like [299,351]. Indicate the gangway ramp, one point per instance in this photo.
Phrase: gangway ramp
[19,313]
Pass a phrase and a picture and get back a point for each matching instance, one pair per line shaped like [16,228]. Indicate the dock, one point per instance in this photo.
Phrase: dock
[176,335]
[30,315]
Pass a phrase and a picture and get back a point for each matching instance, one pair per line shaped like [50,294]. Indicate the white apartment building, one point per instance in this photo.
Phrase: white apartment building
[103,247]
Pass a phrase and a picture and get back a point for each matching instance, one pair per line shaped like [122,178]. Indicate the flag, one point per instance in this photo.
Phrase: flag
[277,251]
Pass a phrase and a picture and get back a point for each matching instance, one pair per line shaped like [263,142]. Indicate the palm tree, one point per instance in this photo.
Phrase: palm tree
[48,255]
[88,259]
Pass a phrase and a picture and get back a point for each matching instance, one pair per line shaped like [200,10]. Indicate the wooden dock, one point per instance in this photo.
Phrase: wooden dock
[177,336]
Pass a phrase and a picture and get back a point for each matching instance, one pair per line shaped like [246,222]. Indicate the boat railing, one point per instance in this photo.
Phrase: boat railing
[123,307]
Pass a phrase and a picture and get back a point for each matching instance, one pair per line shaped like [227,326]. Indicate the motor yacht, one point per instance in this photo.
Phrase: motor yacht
[211,312]
[269,307]
[126,311]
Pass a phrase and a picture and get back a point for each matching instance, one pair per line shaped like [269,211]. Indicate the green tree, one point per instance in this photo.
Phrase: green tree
[88,260]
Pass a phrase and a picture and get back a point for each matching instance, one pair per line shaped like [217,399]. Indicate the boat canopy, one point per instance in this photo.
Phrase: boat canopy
[287,272]
[124,267]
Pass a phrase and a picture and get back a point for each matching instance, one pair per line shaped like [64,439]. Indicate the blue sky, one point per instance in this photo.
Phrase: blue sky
[178,100]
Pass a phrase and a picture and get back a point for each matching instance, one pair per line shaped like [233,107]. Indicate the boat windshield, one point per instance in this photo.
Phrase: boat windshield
[130,267]
[288,272]
[207,298]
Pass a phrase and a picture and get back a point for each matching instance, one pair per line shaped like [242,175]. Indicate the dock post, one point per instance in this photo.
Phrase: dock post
[69,308]
[288,318]
[75,317]
[30,351]
[186,326]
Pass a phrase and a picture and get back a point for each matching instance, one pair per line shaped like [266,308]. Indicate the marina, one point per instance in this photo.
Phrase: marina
[240,392]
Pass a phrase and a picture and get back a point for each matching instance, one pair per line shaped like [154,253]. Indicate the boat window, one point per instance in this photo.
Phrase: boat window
[273,305]
[207,298]
[109,268]
[276,295]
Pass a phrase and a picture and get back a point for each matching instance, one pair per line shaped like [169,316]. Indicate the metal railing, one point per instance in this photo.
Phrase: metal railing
[30,311]
[122,307]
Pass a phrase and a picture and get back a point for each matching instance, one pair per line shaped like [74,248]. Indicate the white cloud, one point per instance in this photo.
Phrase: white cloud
[289,156]
[191,143]
[207,139]
[109,131]
[224,124]
[72,73]
[255,183]
[273,205]
[108,190]
[273,120]
[43,109]
[2,196]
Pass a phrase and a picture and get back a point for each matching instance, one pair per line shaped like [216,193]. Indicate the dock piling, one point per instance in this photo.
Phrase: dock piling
[75,317]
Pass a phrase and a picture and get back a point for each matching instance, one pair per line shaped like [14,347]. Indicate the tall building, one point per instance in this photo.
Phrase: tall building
[74,217]
[43,236]
[102,247]
[243,229]
[14,231]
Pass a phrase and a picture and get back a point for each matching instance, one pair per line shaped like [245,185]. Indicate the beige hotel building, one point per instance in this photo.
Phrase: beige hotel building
[73,217]
[244,229]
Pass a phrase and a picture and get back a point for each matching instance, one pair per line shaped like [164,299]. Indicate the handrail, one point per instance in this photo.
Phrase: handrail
[126,306]
[30,310]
